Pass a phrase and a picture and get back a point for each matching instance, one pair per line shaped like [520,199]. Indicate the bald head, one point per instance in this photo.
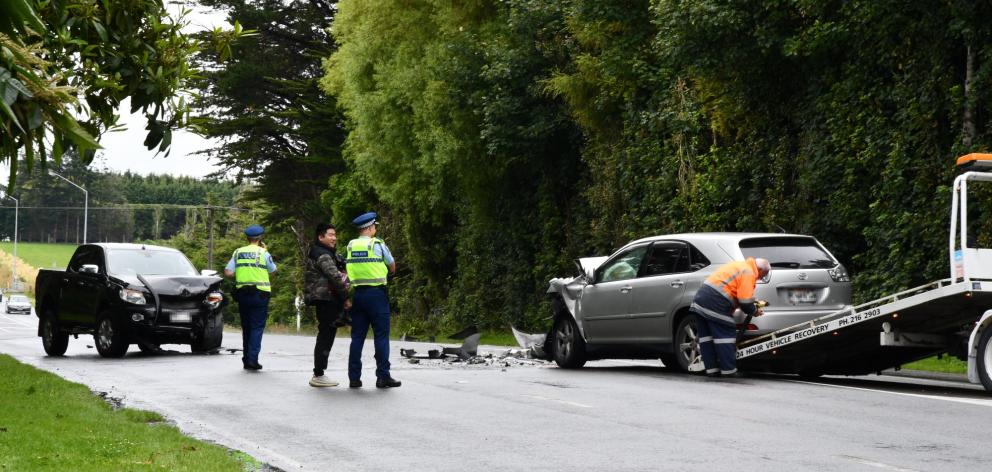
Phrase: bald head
[764,267]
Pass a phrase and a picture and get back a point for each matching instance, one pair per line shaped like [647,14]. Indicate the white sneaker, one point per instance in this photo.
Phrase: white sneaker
[322,381]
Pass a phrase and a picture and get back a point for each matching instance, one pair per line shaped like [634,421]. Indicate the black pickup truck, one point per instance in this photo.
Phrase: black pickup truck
[127,294]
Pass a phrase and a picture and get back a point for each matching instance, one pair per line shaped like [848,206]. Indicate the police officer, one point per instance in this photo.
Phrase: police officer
[730,287]
[369,262]
[251,266]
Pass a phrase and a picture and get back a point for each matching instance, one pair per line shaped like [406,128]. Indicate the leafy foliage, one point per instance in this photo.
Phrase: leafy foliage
[502,139]
[60,59]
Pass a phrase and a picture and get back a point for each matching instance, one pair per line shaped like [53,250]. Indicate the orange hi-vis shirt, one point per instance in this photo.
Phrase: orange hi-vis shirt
[736,281]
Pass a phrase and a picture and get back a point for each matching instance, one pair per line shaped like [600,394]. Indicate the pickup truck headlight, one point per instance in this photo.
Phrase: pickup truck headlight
[135,297]
[213,299]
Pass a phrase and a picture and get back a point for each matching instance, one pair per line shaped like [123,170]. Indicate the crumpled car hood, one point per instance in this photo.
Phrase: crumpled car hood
[570,288]
[172,285]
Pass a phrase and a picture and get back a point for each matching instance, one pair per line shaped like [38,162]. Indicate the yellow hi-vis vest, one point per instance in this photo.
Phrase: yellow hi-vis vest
[250,268]
[365,267]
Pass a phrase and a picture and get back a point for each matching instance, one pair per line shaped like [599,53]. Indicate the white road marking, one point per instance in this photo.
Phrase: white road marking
[19,321]
[565,402]
[880,465]
[968,401]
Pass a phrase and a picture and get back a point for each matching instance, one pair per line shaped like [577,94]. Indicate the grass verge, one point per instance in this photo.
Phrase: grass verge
[948,364]
[41,255]
[48,423]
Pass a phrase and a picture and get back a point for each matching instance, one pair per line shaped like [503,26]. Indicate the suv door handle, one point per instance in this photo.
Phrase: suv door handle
[677,283]
[626,289]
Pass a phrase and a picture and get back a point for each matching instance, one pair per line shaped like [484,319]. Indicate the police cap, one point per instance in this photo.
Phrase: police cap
[365,220]
[254,231]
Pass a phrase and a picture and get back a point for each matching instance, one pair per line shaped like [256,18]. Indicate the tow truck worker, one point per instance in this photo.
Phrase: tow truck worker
[250,266]
[730,287]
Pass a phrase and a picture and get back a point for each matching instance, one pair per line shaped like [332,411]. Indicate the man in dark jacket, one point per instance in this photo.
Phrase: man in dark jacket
[327,291]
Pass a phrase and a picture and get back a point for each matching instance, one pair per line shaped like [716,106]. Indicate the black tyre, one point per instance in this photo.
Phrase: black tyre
[109,336]
[985,359]
[687,357]
[569,349]
[669,361]
[211,336]
[53,338]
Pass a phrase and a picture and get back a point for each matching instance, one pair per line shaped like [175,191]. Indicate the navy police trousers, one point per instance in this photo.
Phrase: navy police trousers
[370,307]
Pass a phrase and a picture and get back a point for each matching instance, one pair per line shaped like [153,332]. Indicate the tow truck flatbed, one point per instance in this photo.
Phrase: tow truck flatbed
[874,336]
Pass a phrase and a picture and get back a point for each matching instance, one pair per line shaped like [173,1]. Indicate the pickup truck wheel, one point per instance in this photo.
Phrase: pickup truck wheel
[568,346]
[109,337]
[53,339]
[211,336]
[985,359]
[687,357]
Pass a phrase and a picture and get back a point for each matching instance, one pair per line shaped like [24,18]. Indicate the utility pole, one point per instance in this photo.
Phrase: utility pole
[210,239]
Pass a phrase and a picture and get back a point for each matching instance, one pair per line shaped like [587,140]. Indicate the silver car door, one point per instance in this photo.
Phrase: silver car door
[656,294]
[605,303]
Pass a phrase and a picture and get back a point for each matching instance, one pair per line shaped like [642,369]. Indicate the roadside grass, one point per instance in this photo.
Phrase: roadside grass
[948,364]
[41,255]
[48,423]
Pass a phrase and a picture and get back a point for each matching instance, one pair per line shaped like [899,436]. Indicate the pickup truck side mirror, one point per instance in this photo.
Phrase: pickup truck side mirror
[208,272]
[89,269]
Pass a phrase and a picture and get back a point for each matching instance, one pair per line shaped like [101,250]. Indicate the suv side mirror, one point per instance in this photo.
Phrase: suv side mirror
[208,272]
[89,269]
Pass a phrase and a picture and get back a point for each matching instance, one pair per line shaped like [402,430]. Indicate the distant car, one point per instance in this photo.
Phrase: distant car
[18,304]
[127,294]
[635,303]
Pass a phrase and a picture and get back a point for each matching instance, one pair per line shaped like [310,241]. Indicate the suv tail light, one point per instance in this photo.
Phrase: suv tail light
[839,274]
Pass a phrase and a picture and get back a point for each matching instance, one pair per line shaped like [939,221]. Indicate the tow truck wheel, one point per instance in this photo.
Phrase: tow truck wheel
[53,339]
[568,348]
[985,359]
[687,357]
[109,337]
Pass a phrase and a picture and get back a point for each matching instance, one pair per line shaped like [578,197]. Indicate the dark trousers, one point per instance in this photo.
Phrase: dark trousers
[327,313]
[717,345]
[254,309]
[370,307]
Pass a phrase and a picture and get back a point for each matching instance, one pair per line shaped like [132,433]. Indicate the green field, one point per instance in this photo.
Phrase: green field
[48,423]
[41,255]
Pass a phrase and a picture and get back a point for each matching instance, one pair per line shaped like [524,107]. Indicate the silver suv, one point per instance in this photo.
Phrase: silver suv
[635,303]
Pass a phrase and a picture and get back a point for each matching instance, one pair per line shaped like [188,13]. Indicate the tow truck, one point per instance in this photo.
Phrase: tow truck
[952,315]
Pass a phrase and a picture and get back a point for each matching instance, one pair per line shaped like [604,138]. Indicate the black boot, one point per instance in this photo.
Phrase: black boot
[387,382]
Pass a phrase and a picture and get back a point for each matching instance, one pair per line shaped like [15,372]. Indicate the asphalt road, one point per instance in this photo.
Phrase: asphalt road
[616,415]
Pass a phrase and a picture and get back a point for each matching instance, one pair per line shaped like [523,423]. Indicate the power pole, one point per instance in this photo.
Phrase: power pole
[210,239]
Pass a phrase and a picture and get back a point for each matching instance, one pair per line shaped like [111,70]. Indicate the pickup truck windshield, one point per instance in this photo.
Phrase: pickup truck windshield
[148,262]
[788,252]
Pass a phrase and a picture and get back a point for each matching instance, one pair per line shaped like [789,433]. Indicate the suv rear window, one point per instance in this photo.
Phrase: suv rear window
[788,252]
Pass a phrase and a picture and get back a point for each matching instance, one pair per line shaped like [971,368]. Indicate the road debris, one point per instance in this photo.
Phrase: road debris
[468,354]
